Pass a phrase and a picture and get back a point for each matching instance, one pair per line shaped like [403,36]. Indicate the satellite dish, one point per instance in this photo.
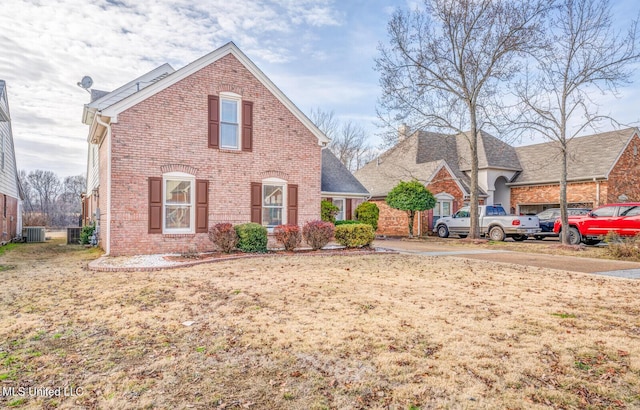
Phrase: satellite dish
[86,82]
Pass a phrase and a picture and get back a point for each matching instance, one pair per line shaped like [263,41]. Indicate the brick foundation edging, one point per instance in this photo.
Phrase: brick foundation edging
[94,265]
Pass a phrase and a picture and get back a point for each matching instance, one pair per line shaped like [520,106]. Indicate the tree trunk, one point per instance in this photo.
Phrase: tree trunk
[411,215]
[474,228]
[564,218]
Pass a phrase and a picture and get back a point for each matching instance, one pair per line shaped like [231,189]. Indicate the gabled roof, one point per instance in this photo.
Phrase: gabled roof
[492,153]
[101,100]
[337,179]
[111,108]
[397,164]
[423,153]
[590,157]
[4,116]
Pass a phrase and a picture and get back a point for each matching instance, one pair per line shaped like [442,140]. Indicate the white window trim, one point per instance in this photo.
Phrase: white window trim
[179,176]
[225,95]
[344,208]
[283,184]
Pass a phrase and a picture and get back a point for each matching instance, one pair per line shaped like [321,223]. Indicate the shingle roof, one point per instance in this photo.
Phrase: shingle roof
[397,164]
[492,153]
[336,178]
[107,99]
[421,154]
[590,157]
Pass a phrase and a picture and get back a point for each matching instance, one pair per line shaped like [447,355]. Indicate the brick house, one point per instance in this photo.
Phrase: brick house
[171,153]
[602,168]
[10,192]
[340,186]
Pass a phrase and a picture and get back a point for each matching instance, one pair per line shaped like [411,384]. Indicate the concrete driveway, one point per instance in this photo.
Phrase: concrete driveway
[623,269]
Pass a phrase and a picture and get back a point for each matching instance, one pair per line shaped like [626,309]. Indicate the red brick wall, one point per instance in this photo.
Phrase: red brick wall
[169,131]
[583,193]
[625,175]
[393,222]
[9,223]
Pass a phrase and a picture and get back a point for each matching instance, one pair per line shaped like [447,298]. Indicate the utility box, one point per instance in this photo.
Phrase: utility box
[73,235]
[33,233]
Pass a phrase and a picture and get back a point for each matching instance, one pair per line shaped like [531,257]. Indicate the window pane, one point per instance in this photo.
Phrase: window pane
[178,192]
[340,204]
[272,195]
[606,211]
[271,216]
[229,135]
[229,111]
[446,208]
[177,217]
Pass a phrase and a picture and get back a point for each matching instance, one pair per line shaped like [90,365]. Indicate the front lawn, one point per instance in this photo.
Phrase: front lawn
[296,332]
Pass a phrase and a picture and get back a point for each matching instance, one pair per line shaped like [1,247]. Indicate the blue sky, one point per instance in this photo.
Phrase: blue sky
[318,52]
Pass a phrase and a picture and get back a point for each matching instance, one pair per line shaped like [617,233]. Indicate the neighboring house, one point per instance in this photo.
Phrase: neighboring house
[172,153]
[602,168]
[340,186]
[10,193]
[525,179]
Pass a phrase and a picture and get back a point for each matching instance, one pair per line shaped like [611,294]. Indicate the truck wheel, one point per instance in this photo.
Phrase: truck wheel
[574,236]
[496,234]
[443,232]
[462,236]
[520,238]
[539,237]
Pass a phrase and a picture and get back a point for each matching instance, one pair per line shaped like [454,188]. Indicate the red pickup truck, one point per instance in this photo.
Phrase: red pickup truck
[623,219]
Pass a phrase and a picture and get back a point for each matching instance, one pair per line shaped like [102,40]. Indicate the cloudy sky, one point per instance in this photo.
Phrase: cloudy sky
[318,52]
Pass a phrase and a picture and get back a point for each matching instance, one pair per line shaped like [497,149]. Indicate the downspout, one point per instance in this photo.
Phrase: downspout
[597,191]
[108,213]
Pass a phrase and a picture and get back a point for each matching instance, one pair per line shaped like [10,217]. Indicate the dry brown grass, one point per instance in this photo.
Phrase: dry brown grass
[297,332]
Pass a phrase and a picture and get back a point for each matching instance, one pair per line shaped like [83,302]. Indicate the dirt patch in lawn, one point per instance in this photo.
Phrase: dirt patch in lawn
[374,331]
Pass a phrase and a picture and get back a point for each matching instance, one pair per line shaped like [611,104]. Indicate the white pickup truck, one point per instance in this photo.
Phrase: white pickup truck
[494,222]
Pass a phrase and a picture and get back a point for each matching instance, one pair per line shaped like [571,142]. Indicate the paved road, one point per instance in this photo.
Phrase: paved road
[623,269]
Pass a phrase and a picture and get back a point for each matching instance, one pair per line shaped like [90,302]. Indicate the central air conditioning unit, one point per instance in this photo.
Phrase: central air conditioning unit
[33,233]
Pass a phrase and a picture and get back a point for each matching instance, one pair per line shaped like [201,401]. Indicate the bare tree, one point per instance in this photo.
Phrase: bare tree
[446,66]
[28,204]
[325,121]
[584,53]
[45,186]
[349,141]
[69,202]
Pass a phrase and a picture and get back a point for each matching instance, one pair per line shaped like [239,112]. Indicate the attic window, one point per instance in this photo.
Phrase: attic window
[635,150]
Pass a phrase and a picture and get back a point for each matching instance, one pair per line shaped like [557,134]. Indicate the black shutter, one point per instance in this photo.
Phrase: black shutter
[348,209]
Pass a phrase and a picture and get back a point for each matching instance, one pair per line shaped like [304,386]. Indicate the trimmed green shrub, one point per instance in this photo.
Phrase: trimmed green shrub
[328,211]
[252,237]
[368,213]
[223,236]
[86,233]
[318,233]
[288,235]
[410,197]
[347,222]
[355,236]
